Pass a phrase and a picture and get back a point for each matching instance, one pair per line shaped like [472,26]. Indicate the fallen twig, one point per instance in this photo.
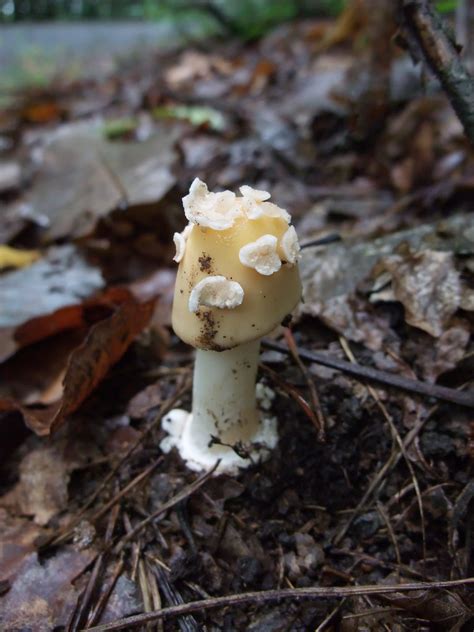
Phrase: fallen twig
[398,441]
[426,31]
[266,596]
[60,537]
[123,492]
[321,427]
[322,241]
[180,496]
[105,596]
[375,375]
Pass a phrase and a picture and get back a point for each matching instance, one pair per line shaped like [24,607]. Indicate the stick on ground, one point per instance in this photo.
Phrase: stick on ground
[266,596]
[375,375]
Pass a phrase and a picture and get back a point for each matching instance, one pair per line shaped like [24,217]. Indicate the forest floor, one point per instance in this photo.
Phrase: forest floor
[371,483]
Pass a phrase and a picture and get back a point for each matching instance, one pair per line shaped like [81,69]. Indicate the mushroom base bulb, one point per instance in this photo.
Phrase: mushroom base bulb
[237,280]
[225,423]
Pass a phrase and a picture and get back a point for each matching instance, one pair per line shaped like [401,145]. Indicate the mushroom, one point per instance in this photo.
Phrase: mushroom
[237,280]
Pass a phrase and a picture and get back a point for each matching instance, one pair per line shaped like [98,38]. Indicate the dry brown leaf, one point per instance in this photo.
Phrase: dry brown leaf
[104,345]
[82,177]
[428,286]
[58,283]
[44,474]
[42,112]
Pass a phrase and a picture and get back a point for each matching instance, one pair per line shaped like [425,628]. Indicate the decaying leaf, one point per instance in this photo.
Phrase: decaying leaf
[104,345]
[44,475]
[144,401]
[61,278]
[42,596]
[436,357]
[428,286]
[42,489]
[348,316]
[82,176]
[427,282]
[338,269]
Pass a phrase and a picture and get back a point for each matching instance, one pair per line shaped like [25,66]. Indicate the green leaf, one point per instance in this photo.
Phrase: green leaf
[195,114]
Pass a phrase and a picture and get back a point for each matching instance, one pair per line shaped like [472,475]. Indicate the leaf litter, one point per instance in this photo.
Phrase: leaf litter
[89,363]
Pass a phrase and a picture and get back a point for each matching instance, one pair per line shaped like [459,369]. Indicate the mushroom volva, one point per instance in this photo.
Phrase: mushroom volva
[237,280]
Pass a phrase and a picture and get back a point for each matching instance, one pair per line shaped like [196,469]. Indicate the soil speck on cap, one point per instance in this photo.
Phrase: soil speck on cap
[205,263]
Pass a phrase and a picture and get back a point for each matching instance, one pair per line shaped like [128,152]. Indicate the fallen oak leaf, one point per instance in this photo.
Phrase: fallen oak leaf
[104,345]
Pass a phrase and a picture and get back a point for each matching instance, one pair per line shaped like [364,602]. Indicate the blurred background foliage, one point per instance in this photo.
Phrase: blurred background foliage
[266,12]
[13,10]
[247,19]
[250,15]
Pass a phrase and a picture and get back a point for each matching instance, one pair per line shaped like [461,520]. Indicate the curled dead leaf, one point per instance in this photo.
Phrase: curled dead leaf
[88,364]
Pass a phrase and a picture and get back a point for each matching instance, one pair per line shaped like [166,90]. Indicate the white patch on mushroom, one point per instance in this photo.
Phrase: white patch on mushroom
[216,291]
[290,246]
[261,255]
[272,210]
[254,194]
[187,230]
[211,210]
[180,245]
[255,205]
[180,240]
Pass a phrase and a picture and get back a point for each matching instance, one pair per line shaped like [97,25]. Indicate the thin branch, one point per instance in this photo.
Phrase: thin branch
[315,401]
[60,537]
[398,441]
[267,596]
[180,496]
[368,373]
[136,481]
[428,35]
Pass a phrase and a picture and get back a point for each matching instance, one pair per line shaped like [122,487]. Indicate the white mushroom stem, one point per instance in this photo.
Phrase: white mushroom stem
[225,407]
[224,402]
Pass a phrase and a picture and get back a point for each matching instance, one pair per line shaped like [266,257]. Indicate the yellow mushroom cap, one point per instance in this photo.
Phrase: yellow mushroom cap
[238,275]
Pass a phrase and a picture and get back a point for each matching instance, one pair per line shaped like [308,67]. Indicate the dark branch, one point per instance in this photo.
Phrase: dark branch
[428,37]
[375,375]
[266,596]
